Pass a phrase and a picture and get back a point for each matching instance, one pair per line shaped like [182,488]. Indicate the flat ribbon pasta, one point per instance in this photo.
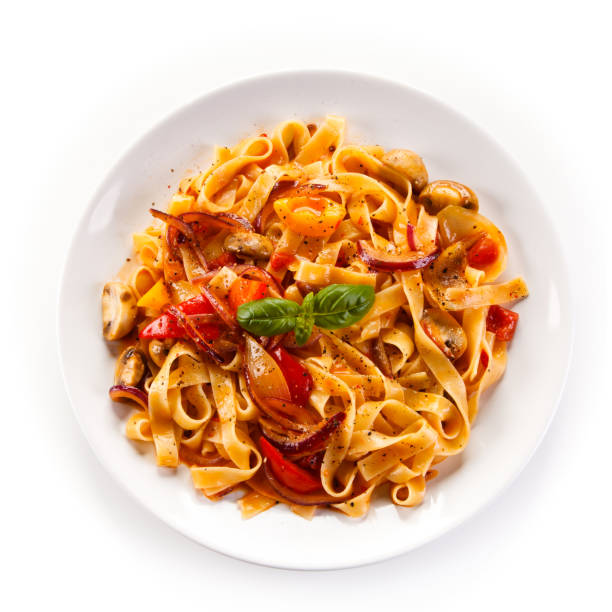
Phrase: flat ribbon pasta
[371,408]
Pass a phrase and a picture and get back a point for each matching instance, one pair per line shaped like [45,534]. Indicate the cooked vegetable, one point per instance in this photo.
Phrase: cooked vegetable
[456,223]
[167,326]
[244,290]
[130,367]
[281,259]
[296,375]
[156,297]
[249,244]
[125,392]
[203,337]
[291,495]
[483,253]
[410,165]
[288,473]
[502,322]
[305,443]
[220,306]
[119,310]
[444,330]
[440,194]
[389,262]
[448,270]
[158,350]
[264,374]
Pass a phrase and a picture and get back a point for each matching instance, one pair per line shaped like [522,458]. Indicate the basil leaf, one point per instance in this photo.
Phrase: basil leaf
[339,306]
[305,321]
[269,316]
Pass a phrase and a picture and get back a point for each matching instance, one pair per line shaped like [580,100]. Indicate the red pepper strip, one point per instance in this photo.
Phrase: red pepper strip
[280,260]
[201,337]
[221,307]
[225,259]
[312,462]
[483,253]
[255,273]
[166,326]
[162,327]
[288,473]
[297,376]
[502,322]
[244,290]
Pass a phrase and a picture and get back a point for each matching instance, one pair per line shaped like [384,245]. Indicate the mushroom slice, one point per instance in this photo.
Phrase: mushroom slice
[444,330]
[119,310]
[410,165]
[249,244]
[159,349]
[440,194]
[130,367]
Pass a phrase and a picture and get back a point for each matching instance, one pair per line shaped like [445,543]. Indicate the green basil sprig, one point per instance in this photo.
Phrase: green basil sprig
[334,307]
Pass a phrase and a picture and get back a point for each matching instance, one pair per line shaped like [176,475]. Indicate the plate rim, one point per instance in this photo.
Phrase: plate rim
[569,305]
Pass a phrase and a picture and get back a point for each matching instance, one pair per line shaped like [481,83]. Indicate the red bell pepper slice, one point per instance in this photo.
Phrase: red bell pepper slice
[502,322]
[244,290]
[225,259]
[166,326]
[312,462]
[483,253]
[163,327]
[280,260]
[288,473]
[297,376]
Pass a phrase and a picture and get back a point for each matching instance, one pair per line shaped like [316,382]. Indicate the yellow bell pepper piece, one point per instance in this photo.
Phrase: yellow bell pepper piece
[310,216]
[156,297]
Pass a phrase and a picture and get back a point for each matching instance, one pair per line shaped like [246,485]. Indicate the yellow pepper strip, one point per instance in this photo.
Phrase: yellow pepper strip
[310,216]
[156,297]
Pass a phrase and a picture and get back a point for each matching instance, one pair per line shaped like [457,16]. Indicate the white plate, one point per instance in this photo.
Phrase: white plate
[513,417]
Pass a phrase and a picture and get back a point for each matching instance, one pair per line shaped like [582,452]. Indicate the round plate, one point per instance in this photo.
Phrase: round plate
[513,416]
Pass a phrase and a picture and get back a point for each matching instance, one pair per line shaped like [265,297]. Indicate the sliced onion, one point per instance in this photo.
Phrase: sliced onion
[184,228]
[303,415]
[296,189]
[125,392]
[222,309]
[265,378]
[281,187]
[410,236]
[259,484]
[389,262]
[262,217]
[283,423]
[192,331]
[305,443]
[263,373]
[223,221]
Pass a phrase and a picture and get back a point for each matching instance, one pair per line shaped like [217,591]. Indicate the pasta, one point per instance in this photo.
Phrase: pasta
[311,323]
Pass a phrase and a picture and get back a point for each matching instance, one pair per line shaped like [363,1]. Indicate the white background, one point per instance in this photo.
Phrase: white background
[83,81]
